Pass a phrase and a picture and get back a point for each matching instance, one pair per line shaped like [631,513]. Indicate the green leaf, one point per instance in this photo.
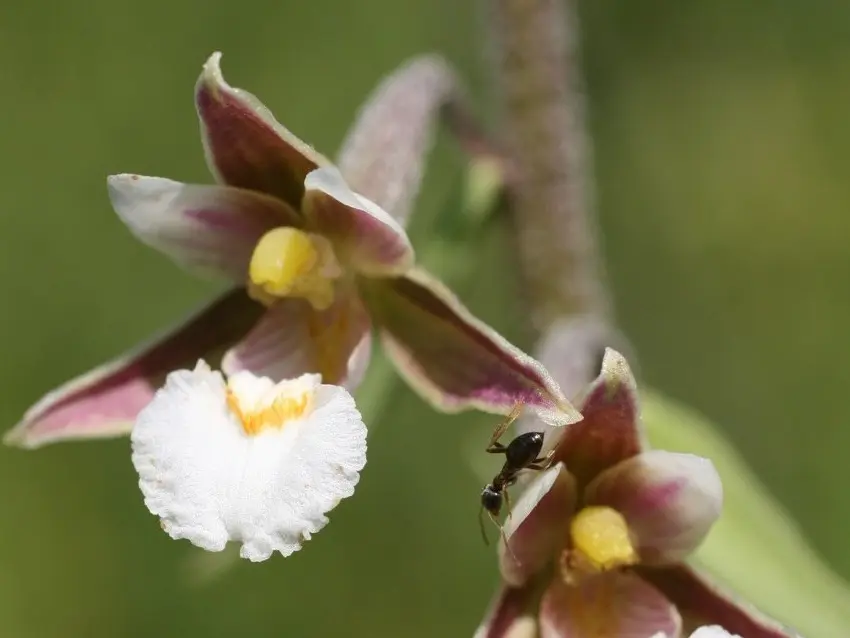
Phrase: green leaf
[756,548]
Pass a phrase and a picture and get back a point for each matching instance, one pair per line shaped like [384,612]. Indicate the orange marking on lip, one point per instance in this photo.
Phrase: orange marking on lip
[282,410]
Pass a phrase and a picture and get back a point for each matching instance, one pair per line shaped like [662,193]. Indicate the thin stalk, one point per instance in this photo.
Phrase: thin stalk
[534,54]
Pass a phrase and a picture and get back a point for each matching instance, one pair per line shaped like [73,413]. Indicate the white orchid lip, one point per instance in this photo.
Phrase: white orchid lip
[247,460]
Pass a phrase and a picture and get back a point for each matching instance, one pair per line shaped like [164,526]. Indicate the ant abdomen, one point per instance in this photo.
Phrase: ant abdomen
[524,449]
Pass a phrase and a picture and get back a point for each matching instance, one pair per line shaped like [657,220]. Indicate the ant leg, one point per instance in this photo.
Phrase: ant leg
[505,424]
[508,503]
[501,531]
[543,462]
[506,541]
[481,524]
[497,448]
[497,524]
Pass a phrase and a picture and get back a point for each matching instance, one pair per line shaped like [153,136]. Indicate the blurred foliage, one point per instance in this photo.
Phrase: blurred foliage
[721,154]
[755,547]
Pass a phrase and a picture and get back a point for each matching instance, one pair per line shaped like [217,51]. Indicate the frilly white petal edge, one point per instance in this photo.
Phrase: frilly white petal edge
[708,631]
[713,631]
[210,482]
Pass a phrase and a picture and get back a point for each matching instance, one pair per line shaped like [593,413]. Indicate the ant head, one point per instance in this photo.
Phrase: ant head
[524,449]
[491,499]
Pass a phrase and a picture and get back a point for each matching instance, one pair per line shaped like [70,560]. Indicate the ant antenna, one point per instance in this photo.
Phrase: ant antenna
[481,524]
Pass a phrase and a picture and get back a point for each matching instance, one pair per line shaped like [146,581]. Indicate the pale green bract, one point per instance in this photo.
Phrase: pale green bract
[755,548]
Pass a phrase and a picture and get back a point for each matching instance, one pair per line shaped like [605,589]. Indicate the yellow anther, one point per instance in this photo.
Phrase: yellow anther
[600,537]
[288,262]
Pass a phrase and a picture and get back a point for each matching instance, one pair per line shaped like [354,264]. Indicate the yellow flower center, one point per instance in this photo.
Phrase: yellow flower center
[288,262]
[600,540]
[273,408]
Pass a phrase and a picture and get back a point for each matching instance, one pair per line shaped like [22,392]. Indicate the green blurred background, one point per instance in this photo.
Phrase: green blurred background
[722,152]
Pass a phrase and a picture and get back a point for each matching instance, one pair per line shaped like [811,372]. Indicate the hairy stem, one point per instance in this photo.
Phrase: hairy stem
[534,46]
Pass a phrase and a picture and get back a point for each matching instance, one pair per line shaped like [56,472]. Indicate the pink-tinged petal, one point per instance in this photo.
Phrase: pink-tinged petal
[293,339]
[384,152]
[205,229]
[670,501]
[610,605]
[572,350]
[610,431]
[702,602]
[512,614]
[453,359]
[364,236]
[537,526]
[245,145]
[104,402]
[358,362]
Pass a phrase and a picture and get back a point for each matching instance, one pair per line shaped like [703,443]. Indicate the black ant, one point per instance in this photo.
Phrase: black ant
[520,454]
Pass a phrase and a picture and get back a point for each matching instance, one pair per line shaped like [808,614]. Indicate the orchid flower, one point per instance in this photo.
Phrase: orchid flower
[312,266]
[596,546]
[247,459]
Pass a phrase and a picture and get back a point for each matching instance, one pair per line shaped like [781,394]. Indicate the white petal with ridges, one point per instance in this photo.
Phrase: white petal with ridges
[211,482]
